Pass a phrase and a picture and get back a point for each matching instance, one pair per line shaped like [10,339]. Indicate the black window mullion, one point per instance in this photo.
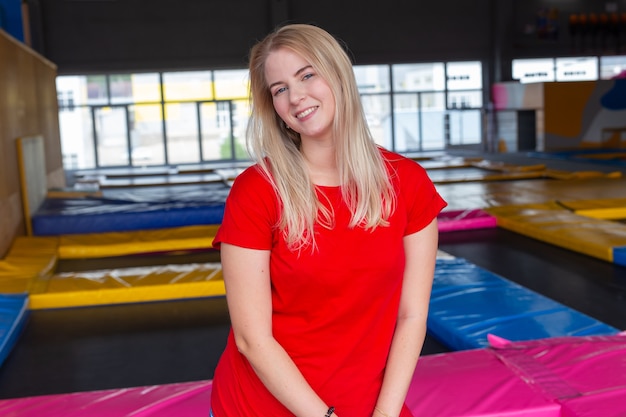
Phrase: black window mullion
[163,122]
[95,136]
[233,147]
[392,115]
[129,145]
[420,123]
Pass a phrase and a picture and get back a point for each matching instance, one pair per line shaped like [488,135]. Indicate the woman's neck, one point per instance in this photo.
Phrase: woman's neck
[322,164]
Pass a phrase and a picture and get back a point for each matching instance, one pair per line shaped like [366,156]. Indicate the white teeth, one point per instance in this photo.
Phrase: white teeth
[305,113]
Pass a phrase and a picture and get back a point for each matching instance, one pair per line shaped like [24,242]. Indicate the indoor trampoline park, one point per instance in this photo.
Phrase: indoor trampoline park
[118,157]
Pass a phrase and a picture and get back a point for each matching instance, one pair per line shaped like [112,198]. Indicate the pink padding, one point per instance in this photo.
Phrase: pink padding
[557,377]
[587,375]
[470,384]
[180,400]
[582,365]
[601,404]
[465,219]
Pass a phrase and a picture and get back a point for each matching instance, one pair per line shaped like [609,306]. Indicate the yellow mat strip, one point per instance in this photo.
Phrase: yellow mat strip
[551,223]
[99,245]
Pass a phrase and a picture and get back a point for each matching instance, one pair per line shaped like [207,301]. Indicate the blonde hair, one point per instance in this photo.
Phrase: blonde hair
[365,183]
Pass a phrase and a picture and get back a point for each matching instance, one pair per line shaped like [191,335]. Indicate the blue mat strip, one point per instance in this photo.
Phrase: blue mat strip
[468,303]
[619,255]
[13,316]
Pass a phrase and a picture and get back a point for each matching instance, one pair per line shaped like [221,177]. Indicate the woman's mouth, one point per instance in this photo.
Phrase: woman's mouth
[306,112]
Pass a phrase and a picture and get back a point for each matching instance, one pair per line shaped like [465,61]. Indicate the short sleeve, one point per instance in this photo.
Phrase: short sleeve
[423,202]
[250,212]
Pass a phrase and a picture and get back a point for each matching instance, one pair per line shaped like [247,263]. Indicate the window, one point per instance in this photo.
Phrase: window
[193,85]
[231,84]
[419,77]
[190,117]
[372,78]
[533,70]
[577,69]
[612,67]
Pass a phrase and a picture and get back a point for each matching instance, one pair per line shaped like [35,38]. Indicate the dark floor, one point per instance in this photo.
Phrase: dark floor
[69,350]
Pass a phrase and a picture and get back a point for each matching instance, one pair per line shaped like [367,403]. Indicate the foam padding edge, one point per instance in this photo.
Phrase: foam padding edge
[554,225]
[212,288]
[97,245]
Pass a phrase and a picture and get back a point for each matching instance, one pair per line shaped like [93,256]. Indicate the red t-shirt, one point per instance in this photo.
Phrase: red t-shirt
[334,309]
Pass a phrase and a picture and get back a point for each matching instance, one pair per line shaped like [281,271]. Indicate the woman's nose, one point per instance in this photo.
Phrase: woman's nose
[296,94]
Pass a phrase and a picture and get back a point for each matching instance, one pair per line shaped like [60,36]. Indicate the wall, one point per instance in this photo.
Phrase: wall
[542,28]
[570,115]
[108,36]
[578,114]
[28,106]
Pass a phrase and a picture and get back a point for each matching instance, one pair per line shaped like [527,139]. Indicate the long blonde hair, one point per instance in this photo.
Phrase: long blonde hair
[364,178]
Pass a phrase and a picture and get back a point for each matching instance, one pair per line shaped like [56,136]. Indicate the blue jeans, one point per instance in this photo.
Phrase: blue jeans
[211,413]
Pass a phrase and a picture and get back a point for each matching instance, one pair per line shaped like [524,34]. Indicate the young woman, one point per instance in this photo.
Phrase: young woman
[328,247]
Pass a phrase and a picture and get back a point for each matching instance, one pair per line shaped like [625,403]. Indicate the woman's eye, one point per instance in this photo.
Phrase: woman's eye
[279,90]
[307,76]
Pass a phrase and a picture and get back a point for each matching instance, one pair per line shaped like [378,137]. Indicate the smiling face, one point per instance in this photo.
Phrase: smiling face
[301,97]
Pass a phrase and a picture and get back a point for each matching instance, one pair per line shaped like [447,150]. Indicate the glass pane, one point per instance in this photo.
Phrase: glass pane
[241,114]
[465,75]
[181,123]
[612,67]
[377,110]
[231,84]
[135,88]
[146,135]
[433,113]
[121,88]
[77,142]
[406,129]
[577,69]
[112,136]
[71,90]
[465,99]
[533,70]
[215,123]
[217,140]
[465,127]
[418,77]
[97,91]
[191,85]
[223,142]
[372,78]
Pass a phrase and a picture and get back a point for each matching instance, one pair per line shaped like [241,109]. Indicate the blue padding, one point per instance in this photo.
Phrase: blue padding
[13,315]
[584,155]
[134,209]
[619,256]
[468,303]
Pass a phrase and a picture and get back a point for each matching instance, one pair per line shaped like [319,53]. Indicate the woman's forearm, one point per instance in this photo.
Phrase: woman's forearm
[282,378]
[408,338]
[405,350]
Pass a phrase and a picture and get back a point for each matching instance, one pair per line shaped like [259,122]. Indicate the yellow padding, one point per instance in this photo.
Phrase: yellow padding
[99,245]
[510,176]
[607,208]
[130,285]
[552,224]
[504,167]
[616,213]
[577,175]
[30,260]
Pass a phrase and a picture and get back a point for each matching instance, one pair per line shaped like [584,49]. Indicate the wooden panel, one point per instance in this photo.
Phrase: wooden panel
[32,168]
[28,107]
